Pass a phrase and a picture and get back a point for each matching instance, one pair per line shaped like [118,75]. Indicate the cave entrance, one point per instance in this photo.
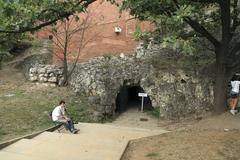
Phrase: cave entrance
[128,98]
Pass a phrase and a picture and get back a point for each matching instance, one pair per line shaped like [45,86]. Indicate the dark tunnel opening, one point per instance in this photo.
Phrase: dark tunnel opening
[128,99]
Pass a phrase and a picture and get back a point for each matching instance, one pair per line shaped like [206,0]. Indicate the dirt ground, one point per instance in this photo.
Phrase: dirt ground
[213,138]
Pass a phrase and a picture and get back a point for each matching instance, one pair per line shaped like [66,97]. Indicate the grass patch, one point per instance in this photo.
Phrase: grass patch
[153,112]
[151,155]
[187,62]
[24,108]
[79,109]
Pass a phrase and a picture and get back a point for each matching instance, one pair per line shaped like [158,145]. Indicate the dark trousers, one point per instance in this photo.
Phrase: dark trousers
[67,124]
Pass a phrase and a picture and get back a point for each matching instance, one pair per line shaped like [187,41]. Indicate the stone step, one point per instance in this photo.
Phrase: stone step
[84,140]
[93,142]
[56,150]
[116,132]
[15,156]
[103,126]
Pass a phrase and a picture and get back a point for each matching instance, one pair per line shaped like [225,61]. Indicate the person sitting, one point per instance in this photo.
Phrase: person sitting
[59,116]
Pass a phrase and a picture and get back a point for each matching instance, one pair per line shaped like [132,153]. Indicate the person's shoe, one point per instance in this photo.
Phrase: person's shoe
[74,131]
[232,112]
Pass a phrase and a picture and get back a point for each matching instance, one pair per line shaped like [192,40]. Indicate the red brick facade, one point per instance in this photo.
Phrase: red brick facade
[100,38]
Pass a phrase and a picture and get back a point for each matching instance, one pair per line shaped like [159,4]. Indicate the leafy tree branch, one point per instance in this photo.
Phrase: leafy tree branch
[34,17]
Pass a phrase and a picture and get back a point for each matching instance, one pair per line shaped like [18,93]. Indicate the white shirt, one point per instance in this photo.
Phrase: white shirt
[58,111]
[235,86]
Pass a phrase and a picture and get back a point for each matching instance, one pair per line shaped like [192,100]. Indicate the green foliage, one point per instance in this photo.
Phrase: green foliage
[152,155]
[139,34]
[27,15]
[19,16]
[108,56]
[154,112]
[11,45]
[3,55]
[181,60]
[187,46]
[80,110]
[170,18]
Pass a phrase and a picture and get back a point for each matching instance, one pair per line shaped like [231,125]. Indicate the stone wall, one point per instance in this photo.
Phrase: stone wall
[176,92]
[51,75]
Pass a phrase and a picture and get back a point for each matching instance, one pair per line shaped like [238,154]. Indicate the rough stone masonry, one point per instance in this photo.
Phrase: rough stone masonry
[174,91]
[51,75]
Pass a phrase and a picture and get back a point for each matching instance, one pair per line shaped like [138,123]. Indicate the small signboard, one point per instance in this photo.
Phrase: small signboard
[142,94]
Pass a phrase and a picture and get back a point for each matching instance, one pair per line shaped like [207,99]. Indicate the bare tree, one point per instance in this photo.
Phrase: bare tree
[64,35]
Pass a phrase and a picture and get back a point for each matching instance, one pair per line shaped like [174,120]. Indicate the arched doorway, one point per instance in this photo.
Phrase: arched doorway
[128,98]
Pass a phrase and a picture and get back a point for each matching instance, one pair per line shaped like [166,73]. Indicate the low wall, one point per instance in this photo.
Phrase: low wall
[29,136]
[51,75]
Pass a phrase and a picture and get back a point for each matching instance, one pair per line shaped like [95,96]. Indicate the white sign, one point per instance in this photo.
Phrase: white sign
[142,94]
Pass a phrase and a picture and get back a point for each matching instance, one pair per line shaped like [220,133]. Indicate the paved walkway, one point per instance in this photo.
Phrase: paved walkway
[93,142]
[134,118]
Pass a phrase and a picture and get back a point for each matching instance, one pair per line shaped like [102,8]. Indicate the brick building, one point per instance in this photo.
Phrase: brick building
[107,32]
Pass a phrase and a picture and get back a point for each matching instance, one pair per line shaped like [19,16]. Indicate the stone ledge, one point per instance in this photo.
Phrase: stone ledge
[46,74]
[29,136]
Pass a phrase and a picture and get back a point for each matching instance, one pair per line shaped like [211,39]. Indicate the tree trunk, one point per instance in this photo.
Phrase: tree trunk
[65,70]
[220,91]
[220,88]
[65,62]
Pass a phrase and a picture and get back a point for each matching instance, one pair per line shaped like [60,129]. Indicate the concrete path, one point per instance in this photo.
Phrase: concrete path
[132,118]
[93,142]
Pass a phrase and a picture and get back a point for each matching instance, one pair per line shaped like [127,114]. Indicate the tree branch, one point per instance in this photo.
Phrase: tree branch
[234,59]
[226,22]
[58,38]
[79,51]
[206,1]
[84,3]
[201,30]
[27,29]
[236,21]
[235,49]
